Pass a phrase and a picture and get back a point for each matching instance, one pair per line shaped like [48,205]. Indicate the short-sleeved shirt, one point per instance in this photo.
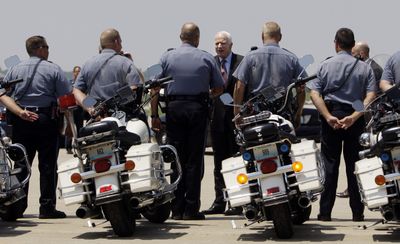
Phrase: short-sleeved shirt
[391,72]
[268,65]
[194,71]
[118,72]
[48,83]
[334,71]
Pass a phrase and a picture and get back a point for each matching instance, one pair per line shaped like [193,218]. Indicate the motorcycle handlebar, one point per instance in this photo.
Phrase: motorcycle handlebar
[8,84]
[156,82]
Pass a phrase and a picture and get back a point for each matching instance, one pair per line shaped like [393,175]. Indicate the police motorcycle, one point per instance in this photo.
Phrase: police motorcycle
[276,176]
[378,171]
[11,188]
[116,169]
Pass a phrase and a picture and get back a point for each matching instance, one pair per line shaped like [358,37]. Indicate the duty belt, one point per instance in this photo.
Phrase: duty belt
[337,106]
[36,109]
[194,98]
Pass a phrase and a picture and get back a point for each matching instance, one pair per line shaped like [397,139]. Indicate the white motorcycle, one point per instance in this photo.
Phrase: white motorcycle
[11,186]
[116,169]
[276,177]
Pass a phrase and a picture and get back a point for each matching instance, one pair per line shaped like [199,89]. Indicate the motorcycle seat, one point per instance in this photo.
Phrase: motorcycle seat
[99,127]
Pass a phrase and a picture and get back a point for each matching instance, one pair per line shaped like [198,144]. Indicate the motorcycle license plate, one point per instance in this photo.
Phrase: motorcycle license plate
[101,151]
[265,151]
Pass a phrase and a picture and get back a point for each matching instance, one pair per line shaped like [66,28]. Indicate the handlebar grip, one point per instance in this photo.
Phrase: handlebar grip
[155,83]
[304,80]
[8,84]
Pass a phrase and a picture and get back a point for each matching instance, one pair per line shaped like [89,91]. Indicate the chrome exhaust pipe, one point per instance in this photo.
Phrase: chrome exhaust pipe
[250,213]
[134,201]
[85,212]
[304,202]
[388,215]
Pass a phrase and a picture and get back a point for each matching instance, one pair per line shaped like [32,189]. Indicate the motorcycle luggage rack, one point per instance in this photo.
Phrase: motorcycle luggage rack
[264,115]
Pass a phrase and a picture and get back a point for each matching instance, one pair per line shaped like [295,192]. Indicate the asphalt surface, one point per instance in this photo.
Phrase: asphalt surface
[215,229]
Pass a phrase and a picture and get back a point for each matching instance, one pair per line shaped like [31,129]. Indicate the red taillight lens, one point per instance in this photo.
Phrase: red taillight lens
[268,165]
[101,165]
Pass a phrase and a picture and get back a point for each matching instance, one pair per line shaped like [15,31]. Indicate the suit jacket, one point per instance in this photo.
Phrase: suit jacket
[377,70]
[221,118]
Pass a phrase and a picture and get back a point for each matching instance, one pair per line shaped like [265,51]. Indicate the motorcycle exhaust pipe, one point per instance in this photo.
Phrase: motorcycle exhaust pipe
[85,212]
[304,202]
[134,201]
[388,215]
[250,213]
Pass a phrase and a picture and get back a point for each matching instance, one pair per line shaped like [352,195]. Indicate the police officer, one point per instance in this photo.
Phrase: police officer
[102,75]
[391,72]
[222,135]
[268,65]
[34,121]
[340,81]
[195,72]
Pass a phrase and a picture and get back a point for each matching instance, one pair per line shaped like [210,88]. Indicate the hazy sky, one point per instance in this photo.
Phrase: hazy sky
[149,27]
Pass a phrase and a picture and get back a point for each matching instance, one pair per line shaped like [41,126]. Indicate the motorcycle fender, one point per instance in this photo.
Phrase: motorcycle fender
[106,185]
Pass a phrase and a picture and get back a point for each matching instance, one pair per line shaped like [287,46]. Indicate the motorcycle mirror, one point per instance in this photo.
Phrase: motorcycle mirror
[306,60]
[358,106]
[11,61]
[226,99]
[89,102]
[126,95]
[152,71]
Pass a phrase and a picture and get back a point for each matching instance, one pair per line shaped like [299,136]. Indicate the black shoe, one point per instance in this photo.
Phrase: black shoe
[214,209]
[196,216]
[324,217]
[344,194]
[358,217]
[176,216]
[53,214]
[234,211]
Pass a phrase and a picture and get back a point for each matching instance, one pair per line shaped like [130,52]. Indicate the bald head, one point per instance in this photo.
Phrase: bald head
[271,33]
[110,38]
[190,33]
[361,49]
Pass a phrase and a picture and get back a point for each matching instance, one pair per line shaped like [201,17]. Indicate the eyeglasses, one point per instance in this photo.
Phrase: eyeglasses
[44,46]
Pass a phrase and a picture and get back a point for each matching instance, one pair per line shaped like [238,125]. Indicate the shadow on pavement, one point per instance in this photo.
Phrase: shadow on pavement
[10,229]
[309,232]
[390,233]
[144,231]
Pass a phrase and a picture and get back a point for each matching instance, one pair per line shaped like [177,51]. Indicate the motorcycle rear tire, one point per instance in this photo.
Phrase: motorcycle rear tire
[120,217]
[302,215]
[282,220]
[13,212]
[157,214]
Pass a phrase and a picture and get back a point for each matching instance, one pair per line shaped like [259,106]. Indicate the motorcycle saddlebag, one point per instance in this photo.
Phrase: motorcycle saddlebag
[98,127]
[261,133]
[391,134]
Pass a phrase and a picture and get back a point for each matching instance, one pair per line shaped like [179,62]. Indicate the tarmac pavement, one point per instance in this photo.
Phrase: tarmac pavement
[215,229]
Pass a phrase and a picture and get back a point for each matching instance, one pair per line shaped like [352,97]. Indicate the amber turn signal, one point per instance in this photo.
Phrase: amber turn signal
[242,179]
[76,178]
[297,166]
[129,165]
[380,180]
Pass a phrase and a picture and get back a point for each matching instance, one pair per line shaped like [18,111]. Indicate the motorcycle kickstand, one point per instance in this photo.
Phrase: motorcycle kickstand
[364,227]
[234,226]
[92,224]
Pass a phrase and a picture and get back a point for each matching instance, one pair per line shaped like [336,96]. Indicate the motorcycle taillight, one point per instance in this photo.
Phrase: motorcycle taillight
[268,165]
[102,164]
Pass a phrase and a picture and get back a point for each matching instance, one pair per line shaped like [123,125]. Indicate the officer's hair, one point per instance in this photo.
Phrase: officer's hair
[345,38]
[108,38]
[76,67]
[226,35]
[33,43]
[190,32]
[271,30]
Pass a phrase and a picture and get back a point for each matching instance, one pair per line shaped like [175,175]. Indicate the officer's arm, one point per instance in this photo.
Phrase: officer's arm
[215,92]
[367,100]
[385,85]
[320,104]
[238,94]
[79,97]
[301,98]
[155,120]
[17,110]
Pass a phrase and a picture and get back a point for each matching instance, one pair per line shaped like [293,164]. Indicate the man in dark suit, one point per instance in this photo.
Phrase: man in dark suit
[222,135]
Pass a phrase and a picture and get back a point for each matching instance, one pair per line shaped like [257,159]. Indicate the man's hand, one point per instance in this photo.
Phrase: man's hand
[346,122]
[28,115]
[156,124]
[333,122]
